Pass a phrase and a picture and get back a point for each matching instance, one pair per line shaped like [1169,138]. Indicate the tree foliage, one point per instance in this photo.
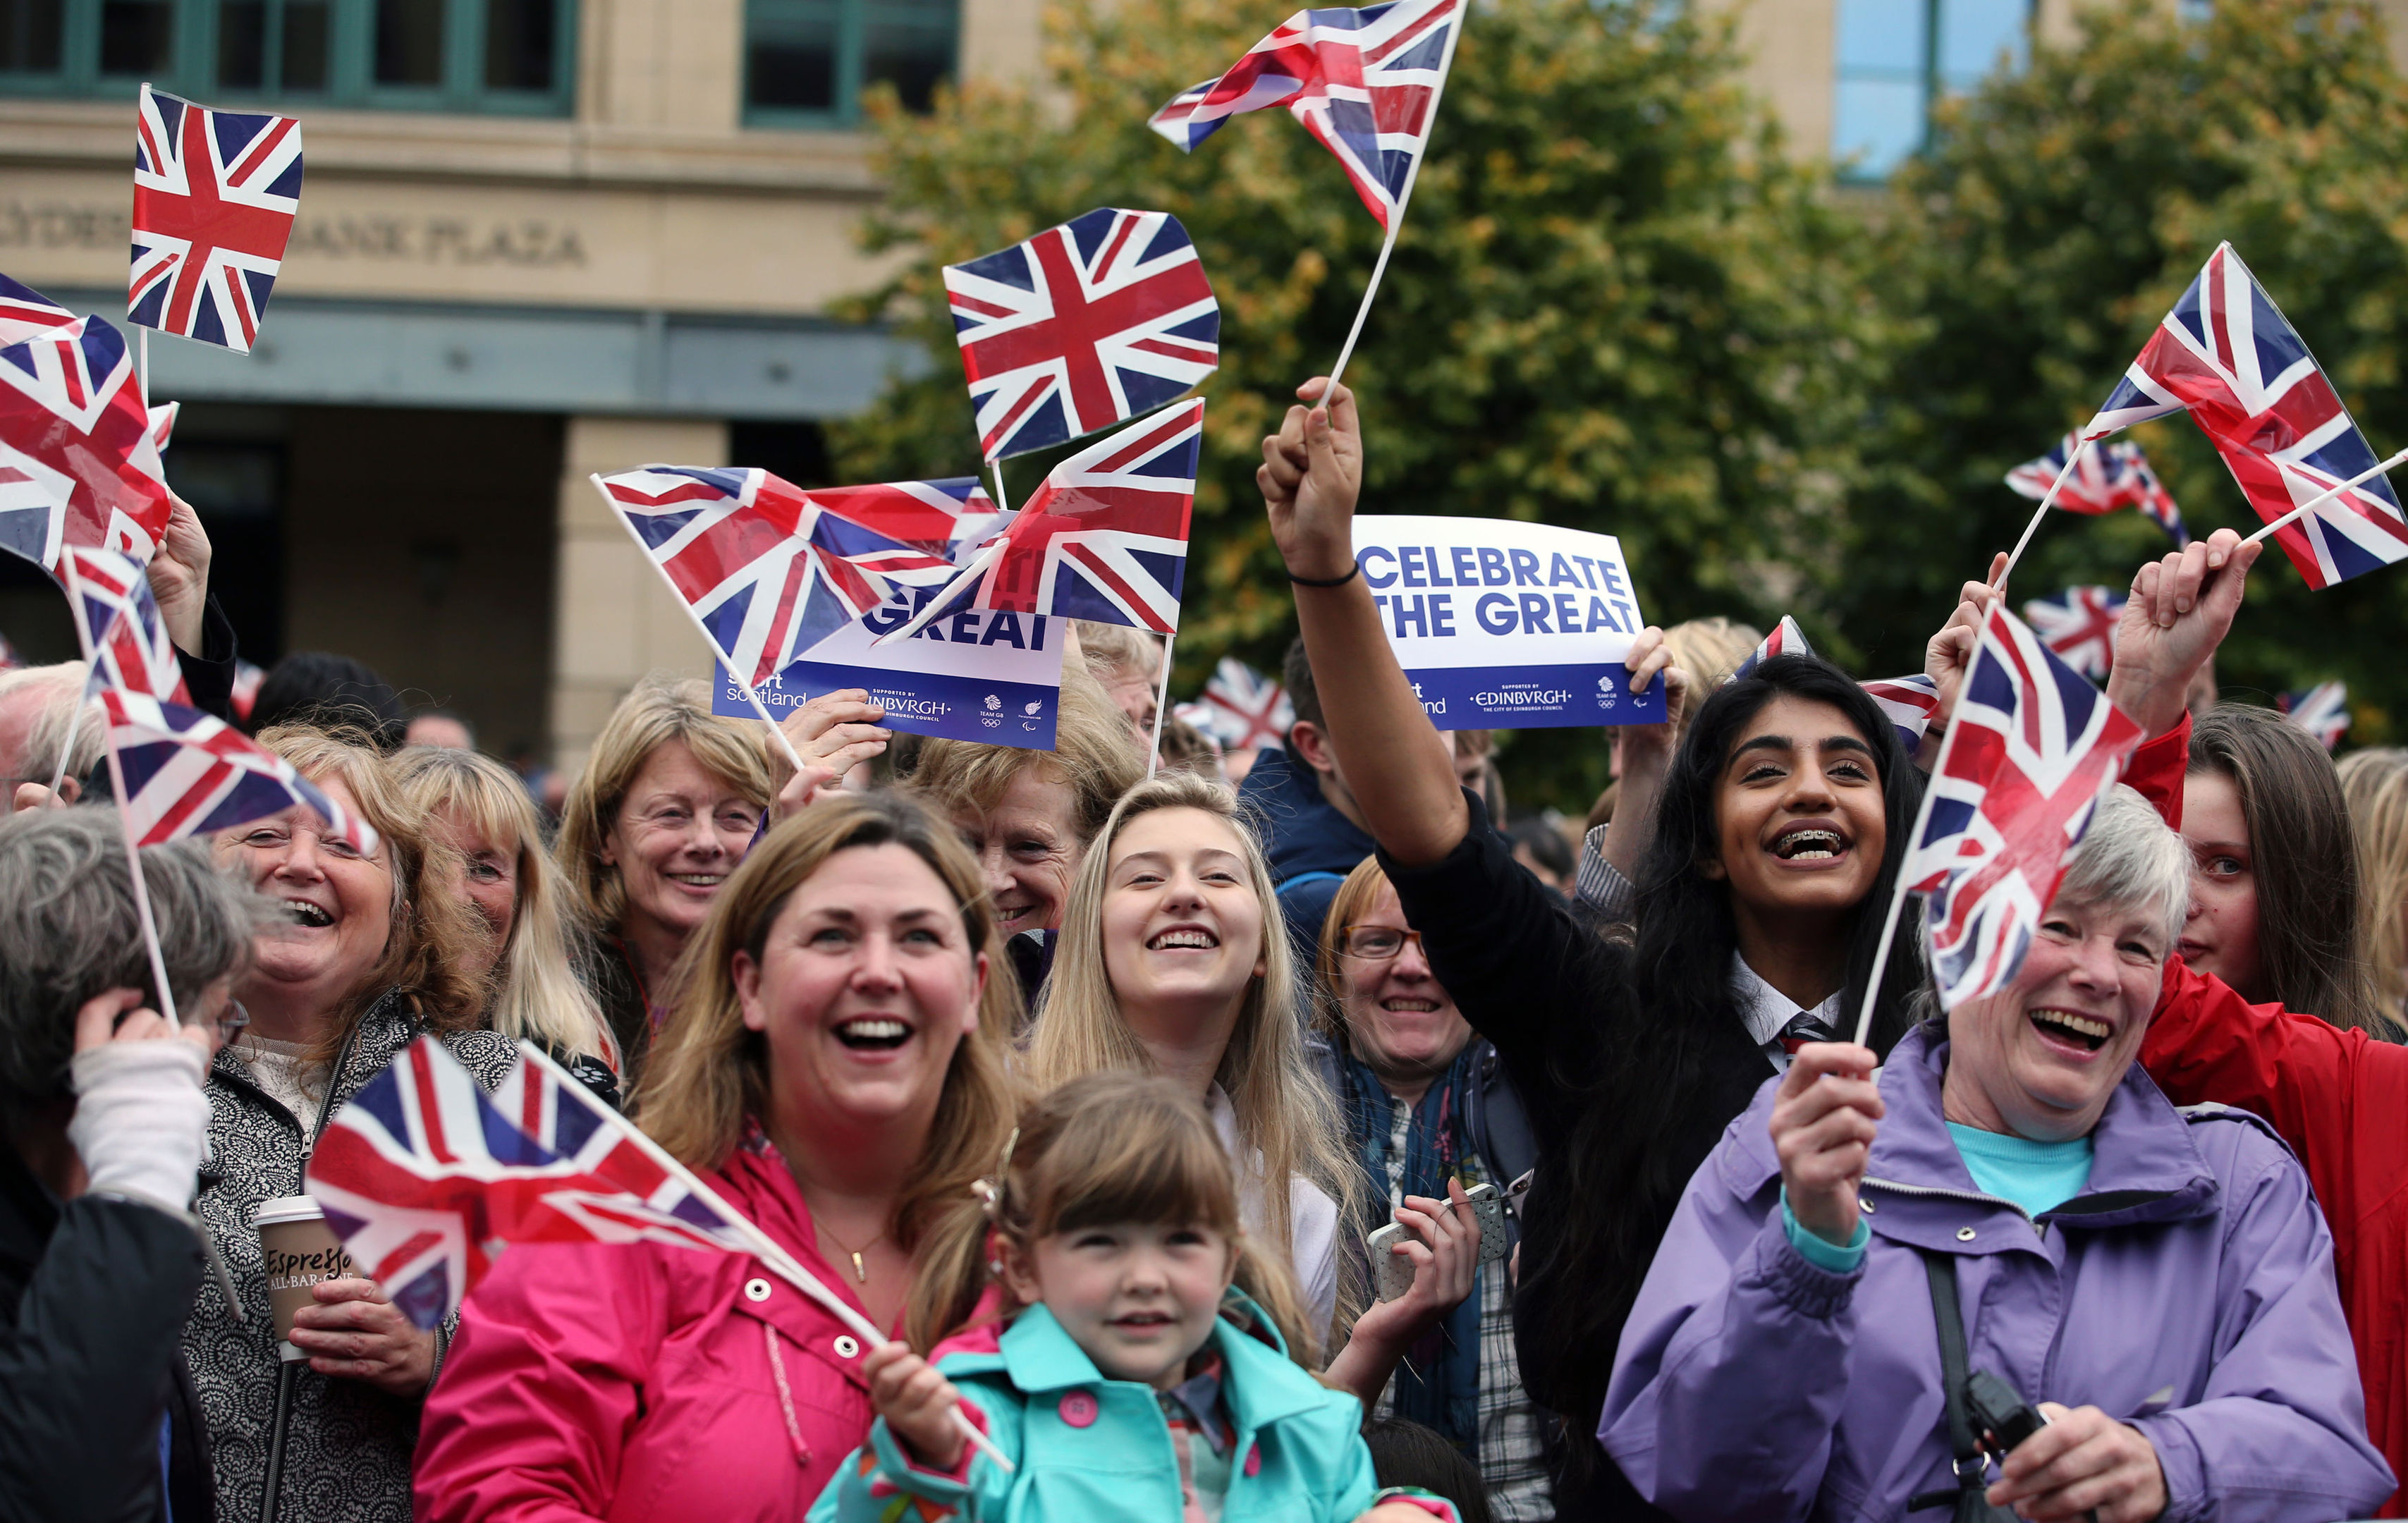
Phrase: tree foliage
[1617,303]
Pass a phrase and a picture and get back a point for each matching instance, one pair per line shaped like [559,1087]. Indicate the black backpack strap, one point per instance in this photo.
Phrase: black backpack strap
[1963,1441]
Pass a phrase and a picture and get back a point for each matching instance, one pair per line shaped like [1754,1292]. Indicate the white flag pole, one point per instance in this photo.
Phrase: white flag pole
[2042,511]
[696,619]
[1161,706]
[1898,893]
[2313,503]
[771,1253]
[1395,223]
[142,371]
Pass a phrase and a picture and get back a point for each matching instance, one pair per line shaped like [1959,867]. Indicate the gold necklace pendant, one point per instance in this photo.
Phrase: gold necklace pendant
[858,1272]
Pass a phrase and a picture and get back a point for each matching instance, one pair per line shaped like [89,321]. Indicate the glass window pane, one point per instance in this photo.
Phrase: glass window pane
[242,44]
[136,37]
[306,26]
[792,65]
[1882,35]
[29,35]
[1975,33]
[1880,118]
[519,44]
[911,58]
[409,42]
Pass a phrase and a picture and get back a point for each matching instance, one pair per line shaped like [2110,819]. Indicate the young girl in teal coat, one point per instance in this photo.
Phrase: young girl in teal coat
[1145,1373]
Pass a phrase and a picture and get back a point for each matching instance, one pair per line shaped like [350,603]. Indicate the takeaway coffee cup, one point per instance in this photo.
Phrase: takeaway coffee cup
[300,1250]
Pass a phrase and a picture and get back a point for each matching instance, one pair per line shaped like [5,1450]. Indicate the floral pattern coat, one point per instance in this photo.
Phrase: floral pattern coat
[347,1445]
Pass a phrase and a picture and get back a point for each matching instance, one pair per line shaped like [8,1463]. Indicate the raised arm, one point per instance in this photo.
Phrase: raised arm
[1398,770]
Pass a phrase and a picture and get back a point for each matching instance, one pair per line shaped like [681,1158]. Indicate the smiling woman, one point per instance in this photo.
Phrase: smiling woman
[376,950]
[836,1067]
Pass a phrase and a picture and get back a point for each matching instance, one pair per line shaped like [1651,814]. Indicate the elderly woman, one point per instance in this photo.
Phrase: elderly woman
[1426,1102]
[837,1071]
[667,805]
[377,951]
[478,807]
[99,1260]
[1028,815]
[2159,1283]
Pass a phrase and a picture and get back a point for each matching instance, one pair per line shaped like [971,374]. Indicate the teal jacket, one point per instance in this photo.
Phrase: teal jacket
[1088,1449]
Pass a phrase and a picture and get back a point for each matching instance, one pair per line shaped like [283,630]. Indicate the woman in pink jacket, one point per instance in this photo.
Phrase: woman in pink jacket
[838,1060]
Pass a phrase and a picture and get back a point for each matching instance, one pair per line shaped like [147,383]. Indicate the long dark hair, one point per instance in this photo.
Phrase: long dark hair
[1616,1186]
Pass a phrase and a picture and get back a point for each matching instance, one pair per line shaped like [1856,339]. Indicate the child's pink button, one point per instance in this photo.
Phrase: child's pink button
[1078,1409]
[1254,1460]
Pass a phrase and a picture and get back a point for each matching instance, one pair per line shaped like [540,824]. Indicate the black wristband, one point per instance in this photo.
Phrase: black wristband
[1352,572]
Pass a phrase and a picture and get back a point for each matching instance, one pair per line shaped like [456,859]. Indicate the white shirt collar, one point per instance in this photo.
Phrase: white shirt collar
[1766,1010]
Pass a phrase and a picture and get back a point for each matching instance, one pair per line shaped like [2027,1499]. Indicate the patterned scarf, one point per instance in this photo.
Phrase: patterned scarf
[1437,1385]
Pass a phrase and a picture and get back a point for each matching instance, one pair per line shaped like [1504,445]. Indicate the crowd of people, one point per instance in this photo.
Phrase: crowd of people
[1272,1136]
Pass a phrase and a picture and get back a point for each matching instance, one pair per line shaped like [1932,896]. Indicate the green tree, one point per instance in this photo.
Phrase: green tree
[2031,250]
[1618,304]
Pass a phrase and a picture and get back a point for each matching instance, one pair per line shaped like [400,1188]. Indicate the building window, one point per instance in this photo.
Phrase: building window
[1897,58]
[807,63]
[512,56]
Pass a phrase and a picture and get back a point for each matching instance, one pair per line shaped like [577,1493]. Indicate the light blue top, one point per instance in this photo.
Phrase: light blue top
[2036,1176]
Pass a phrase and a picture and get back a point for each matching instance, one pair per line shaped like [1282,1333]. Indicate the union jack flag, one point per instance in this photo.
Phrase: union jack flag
[2227,354]
[77,464]
[767,570]
[1908,703]
[946,518]
[1786,639]
[247,679]
[2030,748]
[2111,475]
[12,659]
[1082,326]
[1244,709]
[25,312]
[2079,625]
[163,424]
[215,193]
[1104,539]
[2322,711]
[117,620]
[426,1178]
[189,773]
[1364,82]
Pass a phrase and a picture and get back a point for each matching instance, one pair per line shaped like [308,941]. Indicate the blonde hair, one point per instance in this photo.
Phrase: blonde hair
[1110,650]
[1102,1150]
[708,1072]
[1093,754]
[1286,1117]
[433,934]
[1709,650]
[661,709]
[535,995]
[2374,787]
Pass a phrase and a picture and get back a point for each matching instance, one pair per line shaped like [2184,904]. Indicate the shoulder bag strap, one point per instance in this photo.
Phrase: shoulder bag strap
[1963,1442]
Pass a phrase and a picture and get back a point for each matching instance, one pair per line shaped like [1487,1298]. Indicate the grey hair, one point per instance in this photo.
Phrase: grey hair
[2131,859]
[65,723]
[68,931]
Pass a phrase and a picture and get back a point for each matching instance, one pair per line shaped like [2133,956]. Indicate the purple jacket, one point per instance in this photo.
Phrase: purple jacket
[2189,1292]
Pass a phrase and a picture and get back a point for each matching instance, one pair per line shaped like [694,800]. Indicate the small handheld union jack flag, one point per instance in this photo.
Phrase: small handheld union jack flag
[2079,625]
[1104,539]
[2322,711]
[767,570]
[1786,639]
[2228,355]
[215,193]
[1908,703]
[1363,82]
[25,312]
[78,463]
[425,1178]
[188,773]
[2029,750]
[2111,476]
[1082,326]
[947,518]
[118,621]
[1246,711]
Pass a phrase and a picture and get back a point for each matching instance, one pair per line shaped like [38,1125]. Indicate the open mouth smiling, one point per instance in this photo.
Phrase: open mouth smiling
[873,1033]
[1405,1006]
[305,912]
[705,881]
[1183,938]
[2068,1028]
[1809,841]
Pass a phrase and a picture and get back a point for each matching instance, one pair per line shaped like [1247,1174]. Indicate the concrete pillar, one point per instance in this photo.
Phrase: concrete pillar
[1792,53]
[616,620]
[667,65]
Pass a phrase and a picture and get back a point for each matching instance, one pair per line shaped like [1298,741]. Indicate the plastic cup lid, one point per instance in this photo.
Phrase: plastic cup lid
[292,1208]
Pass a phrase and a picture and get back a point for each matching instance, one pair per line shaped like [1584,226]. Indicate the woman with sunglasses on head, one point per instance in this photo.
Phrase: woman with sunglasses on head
[1763,850]
[1426,1102]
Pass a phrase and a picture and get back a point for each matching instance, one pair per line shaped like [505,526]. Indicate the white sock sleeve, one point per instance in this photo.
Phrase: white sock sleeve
[141,1118]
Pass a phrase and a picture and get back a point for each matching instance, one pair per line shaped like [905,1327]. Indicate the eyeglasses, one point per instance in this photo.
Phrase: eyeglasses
[1378,943]
[231,1020]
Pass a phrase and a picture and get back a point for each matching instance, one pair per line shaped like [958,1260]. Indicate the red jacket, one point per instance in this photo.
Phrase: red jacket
[637,1381]
[2339,1101]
